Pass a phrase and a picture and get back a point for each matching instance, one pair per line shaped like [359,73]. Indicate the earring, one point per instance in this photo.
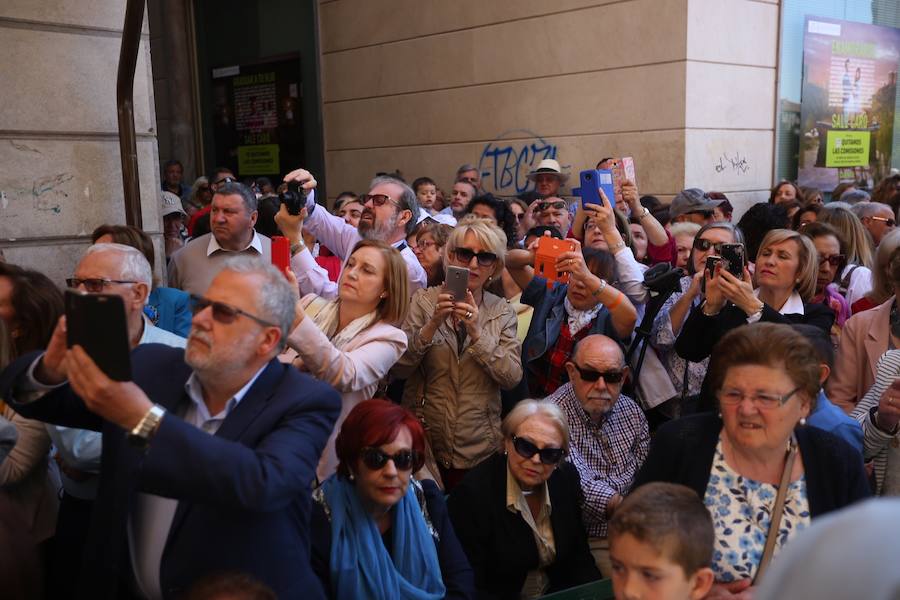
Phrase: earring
[351,477]
[802,421]
[383,295]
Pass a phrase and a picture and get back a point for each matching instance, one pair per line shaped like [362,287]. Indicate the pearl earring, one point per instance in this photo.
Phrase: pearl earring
[802,421]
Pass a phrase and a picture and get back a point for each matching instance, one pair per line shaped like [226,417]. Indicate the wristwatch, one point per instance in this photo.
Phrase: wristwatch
[297,248]
[146,428]
[645,213]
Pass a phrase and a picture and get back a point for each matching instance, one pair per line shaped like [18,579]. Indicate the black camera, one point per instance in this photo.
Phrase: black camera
[293,198]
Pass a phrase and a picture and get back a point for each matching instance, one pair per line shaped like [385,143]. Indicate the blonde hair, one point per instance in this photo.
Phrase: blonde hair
[488,235]
[392,309]
[526,409]
[808,267]
[859,243]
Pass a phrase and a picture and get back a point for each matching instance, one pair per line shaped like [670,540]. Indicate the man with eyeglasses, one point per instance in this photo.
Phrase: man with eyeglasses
[209,453]
[609,435]
[390,212]
[693,205]
[233,215]
[877,218]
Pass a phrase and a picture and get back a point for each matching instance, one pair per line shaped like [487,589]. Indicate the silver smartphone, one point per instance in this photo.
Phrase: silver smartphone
[457,282]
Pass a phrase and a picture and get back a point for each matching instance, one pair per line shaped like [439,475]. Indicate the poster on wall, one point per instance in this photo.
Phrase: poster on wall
[847,102]
[257,126]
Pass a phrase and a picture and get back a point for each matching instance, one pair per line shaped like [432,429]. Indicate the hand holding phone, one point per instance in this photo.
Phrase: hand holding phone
[457,282]
[97,323]
[733,259]
[548,251]
[281,254]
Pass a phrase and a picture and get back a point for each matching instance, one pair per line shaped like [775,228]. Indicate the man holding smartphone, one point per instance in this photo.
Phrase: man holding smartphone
[208,453]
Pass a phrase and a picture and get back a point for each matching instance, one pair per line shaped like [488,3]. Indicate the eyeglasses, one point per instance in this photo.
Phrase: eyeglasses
[375,459]
[591,376]
[526,449]
[225,180]
[703,245]
[94,285]
[890,222]
[548,205]
[378,199]
[423,244]
[224,313]
[485,259]
[835,260]
[520,216]
[732,397]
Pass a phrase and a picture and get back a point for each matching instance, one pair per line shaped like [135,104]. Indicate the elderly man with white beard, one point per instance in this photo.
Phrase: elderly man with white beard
[390,213]
[609,434]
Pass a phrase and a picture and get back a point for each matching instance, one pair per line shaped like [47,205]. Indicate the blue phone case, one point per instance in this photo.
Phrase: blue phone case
[591,179]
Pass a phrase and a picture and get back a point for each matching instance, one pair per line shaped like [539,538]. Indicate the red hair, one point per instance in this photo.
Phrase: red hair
[373,423]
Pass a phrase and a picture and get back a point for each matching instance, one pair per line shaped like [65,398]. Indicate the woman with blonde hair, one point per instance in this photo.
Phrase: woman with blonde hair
[855,279]
[461,352]
[352,342]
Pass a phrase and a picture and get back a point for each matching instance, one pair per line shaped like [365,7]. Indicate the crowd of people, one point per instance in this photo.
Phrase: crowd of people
[418,406]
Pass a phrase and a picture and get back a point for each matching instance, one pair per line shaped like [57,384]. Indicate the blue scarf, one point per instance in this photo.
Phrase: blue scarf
[360,564]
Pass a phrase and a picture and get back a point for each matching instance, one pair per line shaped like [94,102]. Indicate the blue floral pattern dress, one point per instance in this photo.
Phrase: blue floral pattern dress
[741,512]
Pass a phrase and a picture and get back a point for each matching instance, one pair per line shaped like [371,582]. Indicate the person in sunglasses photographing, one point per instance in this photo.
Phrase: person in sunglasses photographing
[517,514]
[377,532]
[610,437]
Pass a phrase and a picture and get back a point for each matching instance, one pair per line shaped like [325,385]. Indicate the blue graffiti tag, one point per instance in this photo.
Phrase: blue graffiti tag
[505,166]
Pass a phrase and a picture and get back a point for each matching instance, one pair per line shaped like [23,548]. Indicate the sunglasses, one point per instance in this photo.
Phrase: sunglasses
[223,313]
[225,180]
[591,376]
[94,285]
[548,205]
[704,245]
[485,259]
[835,260]
[375,459]
[887,221]
[526,449]
[378,199]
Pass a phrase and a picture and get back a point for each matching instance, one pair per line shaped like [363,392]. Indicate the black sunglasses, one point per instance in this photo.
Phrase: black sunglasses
[834,260]
[94,285]
[485,259]
[224,313]
[591,376]
[375,459]
[526,449]
[548,205]
[704,245]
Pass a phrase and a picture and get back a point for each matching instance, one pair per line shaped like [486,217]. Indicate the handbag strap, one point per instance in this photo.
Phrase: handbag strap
[777,510]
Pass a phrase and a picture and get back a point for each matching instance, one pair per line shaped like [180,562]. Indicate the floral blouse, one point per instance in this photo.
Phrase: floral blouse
[740,510]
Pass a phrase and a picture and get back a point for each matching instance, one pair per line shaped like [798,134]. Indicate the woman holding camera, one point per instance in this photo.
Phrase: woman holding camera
[461,352]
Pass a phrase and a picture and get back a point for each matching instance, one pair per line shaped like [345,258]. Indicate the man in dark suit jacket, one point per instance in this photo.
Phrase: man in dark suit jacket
[208,454]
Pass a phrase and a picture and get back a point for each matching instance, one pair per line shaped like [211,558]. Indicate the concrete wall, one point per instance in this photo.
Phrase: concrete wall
[61,173]
[423,86]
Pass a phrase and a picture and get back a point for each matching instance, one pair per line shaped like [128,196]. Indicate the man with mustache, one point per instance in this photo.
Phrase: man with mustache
[609,435]
[390,213]
[208,453]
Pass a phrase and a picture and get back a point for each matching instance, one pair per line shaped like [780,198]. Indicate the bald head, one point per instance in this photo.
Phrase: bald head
[599,347]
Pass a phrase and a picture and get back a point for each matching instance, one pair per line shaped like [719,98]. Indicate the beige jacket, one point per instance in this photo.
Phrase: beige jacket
[458,397]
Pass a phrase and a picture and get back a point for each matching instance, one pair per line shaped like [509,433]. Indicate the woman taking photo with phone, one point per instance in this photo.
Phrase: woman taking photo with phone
[461,352]
[351,342]
[376,532]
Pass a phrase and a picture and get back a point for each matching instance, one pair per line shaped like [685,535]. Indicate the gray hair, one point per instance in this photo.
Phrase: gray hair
[407,199]
[870,209]
[855,196]
[531,408]
[133,266]
[233,188]
[466,167]
[277,298]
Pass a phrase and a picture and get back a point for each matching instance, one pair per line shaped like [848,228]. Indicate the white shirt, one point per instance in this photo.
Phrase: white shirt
[214,246]
[793,306]
[151,518]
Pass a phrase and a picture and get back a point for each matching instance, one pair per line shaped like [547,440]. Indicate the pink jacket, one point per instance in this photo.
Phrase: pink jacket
[864,339]
[354,371]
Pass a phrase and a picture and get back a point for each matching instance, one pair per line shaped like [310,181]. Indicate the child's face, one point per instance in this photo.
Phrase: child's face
[640,572]
[426,195]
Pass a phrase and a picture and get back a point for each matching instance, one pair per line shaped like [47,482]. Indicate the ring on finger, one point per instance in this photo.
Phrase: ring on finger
[468,315]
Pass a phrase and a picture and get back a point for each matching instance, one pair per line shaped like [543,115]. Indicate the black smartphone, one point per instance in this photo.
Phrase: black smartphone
[97,323]
[734,259]
[710,270]
[457,282]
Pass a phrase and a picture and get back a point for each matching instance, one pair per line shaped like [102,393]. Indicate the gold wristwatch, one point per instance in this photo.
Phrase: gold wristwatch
[146,428]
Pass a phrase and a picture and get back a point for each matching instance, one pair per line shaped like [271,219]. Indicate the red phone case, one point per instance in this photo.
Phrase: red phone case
[545,256]
[281,253]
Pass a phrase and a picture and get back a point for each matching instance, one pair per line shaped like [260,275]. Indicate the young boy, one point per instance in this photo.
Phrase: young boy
[661,545]
[426,192]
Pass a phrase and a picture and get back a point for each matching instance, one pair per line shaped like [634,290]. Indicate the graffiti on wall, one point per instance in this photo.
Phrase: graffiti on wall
[506,161]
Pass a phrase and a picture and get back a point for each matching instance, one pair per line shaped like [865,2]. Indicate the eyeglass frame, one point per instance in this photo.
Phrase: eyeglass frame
[620,374]
[74,282]
[200,303]
[385,457]
[778,400]
[541,452]
[715,246]
[841,259]
[475,255]
[889,221]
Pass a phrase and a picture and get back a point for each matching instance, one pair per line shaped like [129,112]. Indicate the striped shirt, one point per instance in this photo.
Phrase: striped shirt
[607,454]
[882,448]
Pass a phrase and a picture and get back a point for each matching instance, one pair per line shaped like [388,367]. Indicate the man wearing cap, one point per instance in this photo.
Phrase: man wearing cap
[173,222]
[693,205]
[548,178]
